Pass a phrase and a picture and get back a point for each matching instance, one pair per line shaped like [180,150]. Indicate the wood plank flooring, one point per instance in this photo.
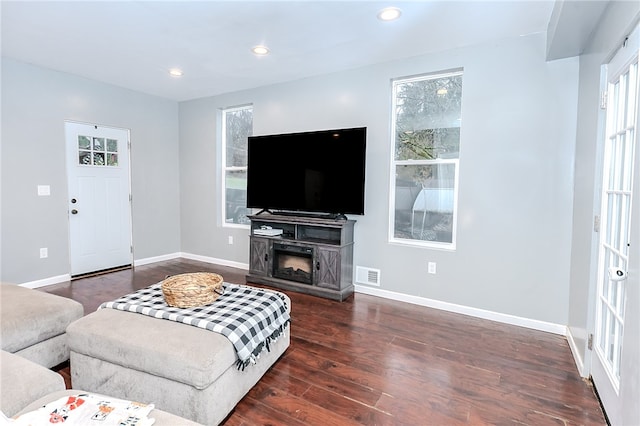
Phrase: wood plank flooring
[373,361]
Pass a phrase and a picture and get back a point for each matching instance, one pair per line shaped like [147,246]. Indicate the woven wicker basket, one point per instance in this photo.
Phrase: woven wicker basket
[189,290]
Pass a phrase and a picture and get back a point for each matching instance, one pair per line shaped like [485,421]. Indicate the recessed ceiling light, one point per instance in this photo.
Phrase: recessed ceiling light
[442,91]
[389,14]
[175,72]
[260,50]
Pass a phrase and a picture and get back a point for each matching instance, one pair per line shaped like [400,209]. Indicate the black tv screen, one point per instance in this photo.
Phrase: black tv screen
[321,171]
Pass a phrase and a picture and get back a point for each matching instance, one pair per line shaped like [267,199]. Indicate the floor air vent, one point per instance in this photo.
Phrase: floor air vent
[367,276]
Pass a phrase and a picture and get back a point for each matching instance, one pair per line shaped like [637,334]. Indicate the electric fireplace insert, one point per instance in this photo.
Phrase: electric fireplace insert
[293,263]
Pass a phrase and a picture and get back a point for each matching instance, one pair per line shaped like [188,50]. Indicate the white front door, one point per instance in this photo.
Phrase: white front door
[614,367]
[99,201]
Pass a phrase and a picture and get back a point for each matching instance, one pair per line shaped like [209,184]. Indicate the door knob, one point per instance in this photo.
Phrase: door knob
[617,274]
[74,211]
[73,201]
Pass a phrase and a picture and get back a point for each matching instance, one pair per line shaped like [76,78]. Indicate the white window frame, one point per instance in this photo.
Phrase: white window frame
[394,163]
[223,165]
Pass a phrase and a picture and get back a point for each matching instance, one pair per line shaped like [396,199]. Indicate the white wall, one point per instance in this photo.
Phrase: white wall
[516,174]
[35,104]
[519,120]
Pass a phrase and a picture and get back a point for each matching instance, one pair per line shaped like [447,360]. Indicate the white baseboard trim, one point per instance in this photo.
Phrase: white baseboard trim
[206,259]
[466,310]
[148,260]
[422,301]
[576,354]
[139,262]
[216,261]
[47,281]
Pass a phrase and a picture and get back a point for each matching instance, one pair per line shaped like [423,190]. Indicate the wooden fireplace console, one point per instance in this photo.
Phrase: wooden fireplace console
[312,255]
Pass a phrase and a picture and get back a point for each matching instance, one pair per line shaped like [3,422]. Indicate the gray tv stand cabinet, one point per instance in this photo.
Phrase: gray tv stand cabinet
[312,255]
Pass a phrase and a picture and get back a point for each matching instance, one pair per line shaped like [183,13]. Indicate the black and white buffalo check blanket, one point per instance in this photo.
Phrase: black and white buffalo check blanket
[249,317]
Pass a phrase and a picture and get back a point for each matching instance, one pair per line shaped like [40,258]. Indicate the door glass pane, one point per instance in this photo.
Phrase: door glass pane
[609,223]
[612,334]
[613,298]
[84,142]
[614,106]
[615,221]
[84,157]
[112,145]
[605,288]
[622,294]
[112,159]
[627,176]
[611,170]
[618,359]
[624,96]
[603,326]
[98,144]
[98,159]
[620,157]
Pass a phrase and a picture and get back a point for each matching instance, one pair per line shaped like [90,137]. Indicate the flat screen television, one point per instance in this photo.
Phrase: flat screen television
[318,172]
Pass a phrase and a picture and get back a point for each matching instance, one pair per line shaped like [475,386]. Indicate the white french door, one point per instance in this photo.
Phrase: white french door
[612,367]
[99,202]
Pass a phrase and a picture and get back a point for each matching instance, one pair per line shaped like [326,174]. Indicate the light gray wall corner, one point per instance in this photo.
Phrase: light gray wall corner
[35,104]
[618,19]
[571,26]
[516,174]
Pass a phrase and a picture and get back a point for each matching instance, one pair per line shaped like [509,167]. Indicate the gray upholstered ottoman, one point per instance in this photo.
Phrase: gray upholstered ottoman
[33,324]
[27,386]
[182,369]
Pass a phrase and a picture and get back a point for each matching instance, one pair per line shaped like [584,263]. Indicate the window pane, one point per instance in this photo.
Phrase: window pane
[424,202]
[239,126]
[428,144]
[428,118]
[236,197]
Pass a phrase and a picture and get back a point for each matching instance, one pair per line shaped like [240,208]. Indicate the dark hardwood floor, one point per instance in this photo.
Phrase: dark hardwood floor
[373,361]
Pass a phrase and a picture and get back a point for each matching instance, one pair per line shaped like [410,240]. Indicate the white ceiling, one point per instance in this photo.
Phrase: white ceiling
[133,44]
